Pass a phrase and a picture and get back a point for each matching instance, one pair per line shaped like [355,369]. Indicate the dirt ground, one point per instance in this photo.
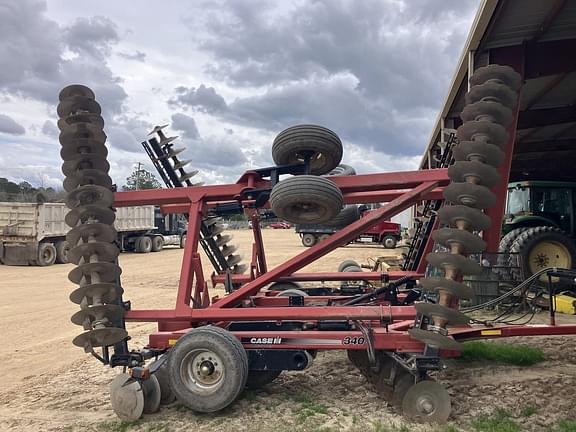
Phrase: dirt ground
[51,385]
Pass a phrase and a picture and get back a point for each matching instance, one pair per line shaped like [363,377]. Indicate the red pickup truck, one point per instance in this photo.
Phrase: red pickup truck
[385,233]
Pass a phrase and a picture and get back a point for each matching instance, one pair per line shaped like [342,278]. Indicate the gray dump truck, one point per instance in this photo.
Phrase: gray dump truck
[35,234]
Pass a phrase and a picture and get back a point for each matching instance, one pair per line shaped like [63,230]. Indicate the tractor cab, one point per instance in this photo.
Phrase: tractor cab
[536,203]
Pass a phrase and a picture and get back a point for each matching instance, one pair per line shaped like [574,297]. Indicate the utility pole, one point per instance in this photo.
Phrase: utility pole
[138,176]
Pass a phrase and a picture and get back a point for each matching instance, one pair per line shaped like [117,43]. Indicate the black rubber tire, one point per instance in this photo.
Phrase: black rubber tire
[143,244]
[290,143]
[309,240]
[342,170]
[389,242]
[283,286]
[182,241]
[46,254]
[530,238]
[157,243]
[347,263]
[62,249]
[503,260]
[259,378]
[346,216]
[306,199]
[234,362]
[167,396]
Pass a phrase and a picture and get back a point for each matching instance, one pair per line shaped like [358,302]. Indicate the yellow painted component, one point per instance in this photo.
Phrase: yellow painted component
[172,342]
[549,254]
[565,303]
[493,332]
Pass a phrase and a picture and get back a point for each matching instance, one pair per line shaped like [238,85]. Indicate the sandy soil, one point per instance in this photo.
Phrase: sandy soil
[50,385]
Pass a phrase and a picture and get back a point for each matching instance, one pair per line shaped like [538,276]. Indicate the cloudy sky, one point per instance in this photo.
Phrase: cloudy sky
[228,76]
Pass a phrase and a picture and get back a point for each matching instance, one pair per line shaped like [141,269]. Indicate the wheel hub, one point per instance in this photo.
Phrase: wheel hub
[202,370]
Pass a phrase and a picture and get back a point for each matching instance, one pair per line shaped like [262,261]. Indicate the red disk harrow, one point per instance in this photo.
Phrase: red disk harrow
[395,326]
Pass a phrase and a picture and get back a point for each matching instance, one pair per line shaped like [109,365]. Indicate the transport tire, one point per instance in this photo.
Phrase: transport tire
[541,247]
[293,293]
[306,199]
[342,170]
[167,396]
[182,241]
[143,244]
[259,378]
[283,286]
[208,369]
[389,242]
[346,216]
[46,254]
[309,240]
[347,263]
[157,243]
[291,144]
[323,237]
[62,249]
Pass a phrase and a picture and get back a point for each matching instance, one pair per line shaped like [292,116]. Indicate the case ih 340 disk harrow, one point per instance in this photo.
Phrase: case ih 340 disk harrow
[206,350]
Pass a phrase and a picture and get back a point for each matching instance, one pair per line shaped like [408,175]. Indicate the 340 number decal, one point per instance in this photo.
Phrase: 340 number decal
[353,340]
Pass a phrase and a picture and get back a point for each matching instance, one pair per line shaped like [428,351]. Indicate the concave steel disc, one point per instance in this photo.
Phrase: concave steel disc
[427,402]
[80,146]
[90,212]
[188,176]
[107,272]
[475,219]
[456,289]
[109,292]
[216,229]
[494,92]
[81,131]
[452,316]
[100,337]
[127,397]
[90,195]
[91,231]
[94,119]
[240,268]
[483,131]
[106,252]
[229,250]
[211,221]
[469,243]
[477,150]
[469,194]
[87,176]
[111,312]
[78,104]
[434,339]
[487,110]
[505,74]
[232,260]
[182,164]
[447,260]
[486,175]
[152,394]
[172,153]
[222,240]
[85,161]
[76,90]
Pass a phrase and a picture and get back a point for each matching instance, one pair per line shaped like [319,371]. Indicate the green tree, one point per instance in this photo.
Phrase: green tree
[141,179]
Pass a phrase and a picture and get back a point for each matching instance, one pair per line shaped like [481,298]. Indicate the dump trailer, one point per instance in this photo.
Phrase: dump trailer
[35,234]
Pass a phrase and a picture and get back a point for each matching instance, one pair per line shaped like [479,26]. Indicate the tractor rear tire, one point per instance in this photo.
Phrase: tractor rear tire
[504,260]
[346,216]
[324,145]
[306,199]
[541,247]
[62,249]
[46,254]
[157,243]
[309,240]
[208,369]
[389,242]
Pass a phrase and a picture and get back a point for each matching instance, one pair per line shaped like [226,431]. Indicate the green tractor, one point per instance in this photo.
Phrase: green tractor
[539,227]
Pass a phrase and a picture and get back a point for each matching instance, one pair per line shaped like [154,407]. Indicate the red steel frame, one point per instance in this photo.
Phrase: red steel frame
[388,324]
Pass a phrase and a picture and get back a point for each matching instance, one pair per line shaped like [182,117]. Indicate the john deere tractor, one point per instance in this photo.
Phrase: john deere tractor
[539,227]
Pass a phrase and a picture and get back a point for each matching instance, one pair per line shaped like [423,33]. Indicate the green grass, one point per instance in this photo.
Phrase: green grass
[518,355]
[499,421]
[309,409]
[565,426]
[117,426]
[528,410]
